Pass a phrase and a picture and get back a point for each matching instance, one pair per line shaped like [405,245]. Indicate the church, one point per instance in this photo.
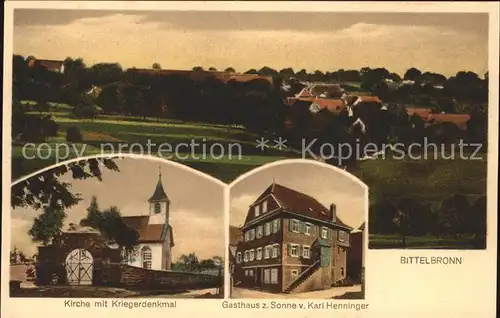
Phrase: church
[156,238]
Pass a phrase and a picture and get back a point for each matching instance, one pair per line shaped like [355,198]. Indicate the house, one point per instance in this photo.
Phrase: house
[291,243]
[201,75]
[321,90]
[156,238]
[355,257]
[50,65]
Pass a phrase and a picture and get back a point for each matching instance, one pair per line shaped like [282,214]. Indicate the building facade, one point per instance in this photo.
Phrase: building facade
[156,238]
[291,243]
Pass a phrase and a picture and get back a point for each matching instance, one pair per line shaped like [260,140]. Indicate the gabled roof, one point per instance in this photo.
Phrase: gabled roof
[296,202]
[152,233]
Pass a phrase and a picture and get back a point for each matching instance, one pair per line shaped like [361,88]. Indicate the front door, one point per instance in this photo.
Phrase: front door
[325,256]
[258,276]
[79,267]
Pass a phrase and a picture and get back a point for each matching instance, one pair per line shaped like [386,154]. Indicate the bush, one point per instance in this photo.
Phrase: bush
[51,127]
[50,274]
[73,134]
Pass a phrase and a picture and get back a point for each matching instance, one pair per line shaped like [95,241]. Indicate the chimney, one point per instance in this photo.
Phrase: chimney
[333,212]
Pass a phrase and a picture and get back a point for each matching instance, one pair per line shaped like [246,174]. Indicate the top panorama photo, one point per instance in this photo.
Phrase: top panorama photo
[400,100]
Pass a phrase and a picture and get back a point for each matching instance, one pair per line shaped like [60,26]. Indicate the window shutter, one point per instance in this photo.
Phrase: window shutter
[289,249]
[301,227]
[290,225]
[299,250]
[279,250]
[329,233]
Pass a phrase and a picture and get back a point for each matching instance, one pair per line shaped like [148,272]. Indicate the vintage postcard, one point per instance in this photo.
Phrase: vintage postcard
[339,157]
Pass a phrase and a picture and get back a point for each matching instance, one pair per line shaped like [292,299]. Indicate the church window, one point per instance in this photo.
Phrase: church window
[157,208]
[146,257]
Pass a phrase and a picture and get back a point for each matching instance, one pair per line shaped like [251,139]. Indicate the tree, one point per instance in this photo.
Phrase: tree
[412,74]
[197,68]
[230,70]
[110,224]
[454,215]
[45,189]
[286,73]
[212,69]
[189,262]
[47,225]
[156,66]
[382,215]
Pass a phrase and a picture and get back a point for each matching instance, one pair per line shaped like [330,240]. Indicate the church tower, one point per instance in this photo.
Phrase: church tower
[159,204]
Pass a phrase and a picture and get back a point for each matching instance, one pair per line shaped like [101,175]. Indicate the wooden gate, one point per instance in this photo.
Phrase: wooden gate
[79,267]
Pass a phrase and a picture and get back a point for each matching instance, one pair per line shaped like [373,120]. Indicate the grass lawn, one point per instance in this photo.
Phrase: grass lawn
[377,241]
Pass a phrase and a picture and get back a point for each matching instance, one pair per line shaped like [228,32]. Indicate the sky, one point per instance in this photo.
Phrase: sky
[198,225]
[325,184]
[438,42]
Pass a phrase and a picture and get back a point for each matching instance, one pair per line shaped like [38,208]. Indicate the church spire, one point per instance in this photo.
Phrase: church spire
[159,193]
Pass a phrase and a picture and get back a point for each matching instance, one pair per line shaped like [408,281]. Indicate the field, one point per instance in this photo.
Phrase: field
[423,242]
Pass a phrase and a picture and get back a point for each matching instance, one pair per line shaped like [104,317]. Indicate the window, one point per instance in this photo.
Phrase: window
[257,210]
[295,272]
[146,257]
[267,229]
[294,250]
[342,271]
[324,232]
[276,226]
[157,208]
[275,251]
[238,257]
[252,255]
[252,234]
[342,236]
[295,226]
[267,252]
[267,276]
[259,231]
[245,257]
[307,229]
[250,272]
[246,272]
[259,253]
[306,251]
[274,276]
[247,236]
[264,207]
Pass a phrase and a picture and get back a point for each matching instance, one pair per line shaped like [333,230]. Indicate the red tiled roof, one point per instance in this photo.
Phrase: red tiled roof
[458,119]
[332,105]
[49,64]
[422,112]
[370,99]
[299,203]
[148,232]
[199,75]
[235,235]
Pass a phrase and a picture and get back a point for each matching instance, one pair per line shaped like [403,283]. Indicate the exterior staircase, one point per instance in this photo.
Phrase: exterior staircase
[303,277]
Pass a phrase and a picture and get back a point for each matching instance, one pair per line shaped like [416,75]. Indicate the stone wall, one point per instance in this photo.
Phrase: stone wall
[126,276]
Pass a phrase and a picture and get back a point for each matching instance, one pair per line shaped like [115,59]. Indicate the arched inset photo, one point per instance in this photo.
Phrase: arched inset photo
[117,227]
[297,231]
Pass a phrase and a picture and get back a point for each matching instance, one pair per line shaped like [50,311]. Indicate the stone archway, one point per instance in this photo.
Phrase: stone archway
[79,267]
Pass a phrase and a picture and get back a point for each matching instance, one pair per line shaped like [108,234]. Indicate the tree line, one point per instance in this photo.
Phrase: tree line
[454,217]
